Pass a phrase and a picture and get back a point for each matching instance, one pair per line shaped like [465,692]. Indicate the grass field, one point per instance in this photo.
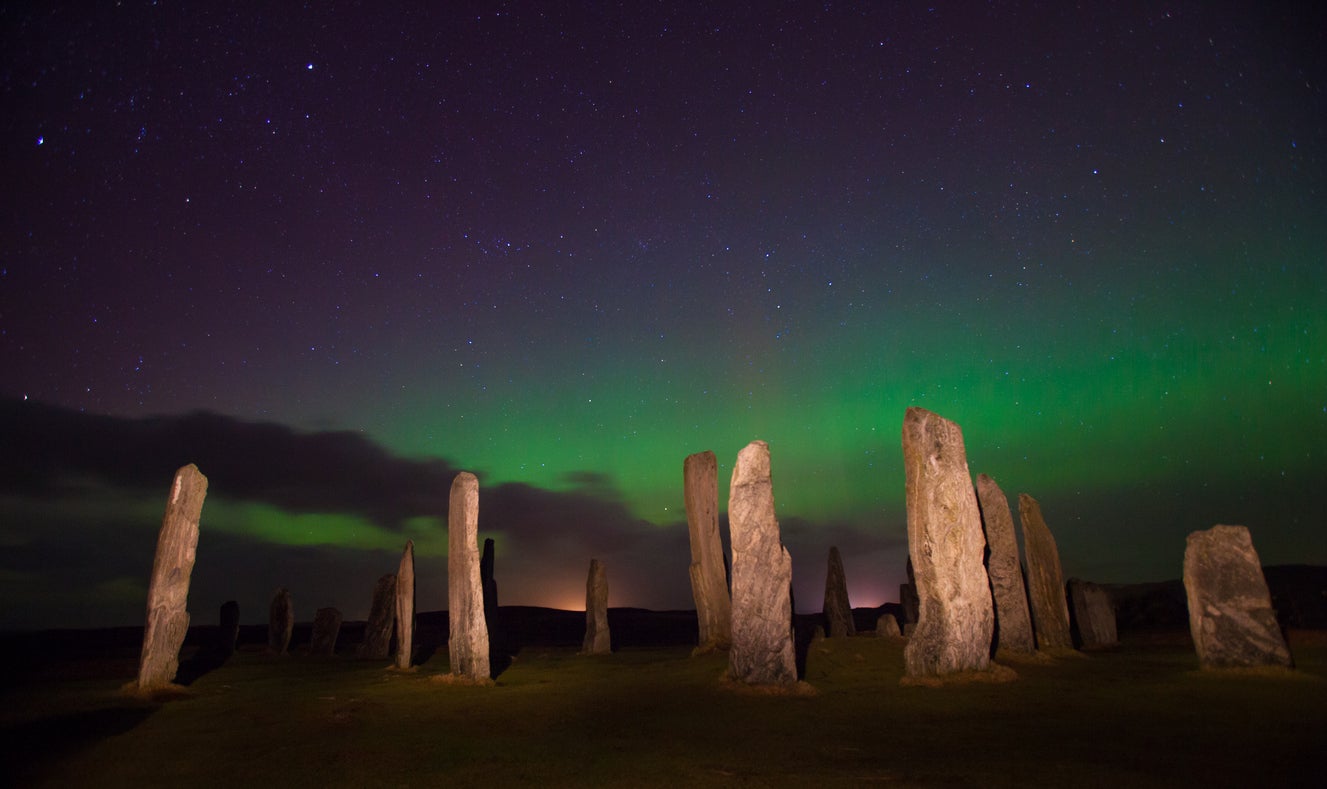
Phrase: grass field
[1137,716]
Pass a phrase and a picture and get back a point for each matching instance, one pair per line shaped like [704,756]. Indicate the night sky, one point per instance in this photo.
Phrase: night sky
[335,255]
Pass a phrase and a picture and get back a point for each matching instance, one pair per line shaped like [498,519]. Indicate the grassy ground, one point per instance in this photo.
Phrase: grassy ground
[1137,716]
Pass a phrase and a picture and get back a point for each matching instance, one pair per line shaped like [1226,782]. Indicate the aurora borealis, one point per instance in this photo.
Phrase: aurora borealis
[564,247]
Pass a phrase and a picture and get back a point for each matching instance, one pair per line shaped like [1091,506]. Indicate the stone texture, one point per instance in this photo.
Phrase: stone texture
[1231,617]
[1093,613]
[709,580]
[168,589]
[762,649]
[887,627]
[1013,621]
[468,645]
[956,619]
[837,610]
[326,627]
[1050,612]
[228,634]
[404,608]
[280,622]
[597,640]
[377,643]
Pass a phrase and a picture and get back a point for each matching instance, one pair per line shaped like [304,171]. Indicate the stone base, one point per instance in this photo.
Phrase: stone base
[798,688]
[995,674]
[709,648]
[156,693]
[1025,658]
[457,679]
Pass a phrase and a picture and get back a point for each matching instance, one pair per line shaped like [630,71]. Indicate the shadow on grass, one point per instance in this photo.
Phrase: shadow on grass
[28,749]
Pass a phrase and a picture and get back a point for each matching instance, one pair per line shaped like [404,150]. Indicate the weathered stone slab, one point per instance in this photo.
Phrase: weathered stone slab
[709,581]
[1094,614]
[280,622]
[228,634]
[377,643]
[1050,611]
[887,627]
[762,649]
[326,627]
[468,645]
[956,618]
[1231,617]
[597,639]
[1013,621]
[837,610]
[405,608]
[168,590]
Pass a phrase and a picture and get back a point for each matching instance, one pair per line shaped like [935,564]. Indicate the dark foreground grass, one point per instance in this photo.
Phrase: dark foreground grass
[1137,716]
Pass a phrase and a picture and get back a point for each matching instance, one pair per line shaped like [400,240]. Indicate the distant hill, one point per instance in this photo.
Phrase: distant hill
[1299,595]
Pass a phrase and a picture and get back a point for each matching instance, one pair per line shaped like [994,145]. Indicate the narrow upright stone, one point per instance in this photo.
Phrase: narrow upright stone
[709,581]
[326,627]
[468,645]
[405,608]
[168,590]
[228,635]
[1050,611]
[837,609]
[1231,617]
[597,640]
[762,649]
[280,622]
[1013,622]
[956,619]
[377,643]
[1093,613]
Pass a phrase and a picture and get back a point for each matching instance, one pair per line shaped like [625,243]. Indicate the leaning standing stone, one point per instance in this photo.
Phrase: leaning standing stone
[837,610]
[1093,613]
[762,650]
[468,644]
[709,582]
[597,640]
[280,622]
[168,590]
[1013,622]
[377,641]
[1050,611]
[326,627]
[1230,610]
[405,607]
[955,620]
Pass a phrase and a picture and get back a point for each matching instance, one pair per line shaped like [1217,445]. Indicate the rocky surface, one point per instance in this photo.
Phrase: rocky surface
[1013,621]
[377,642]
[468,644]
[1093,614]
[1231,618]
[1050,610]
[597,639]
[326,627]
[168,589]
[404,608]
[709,579]
[836,609]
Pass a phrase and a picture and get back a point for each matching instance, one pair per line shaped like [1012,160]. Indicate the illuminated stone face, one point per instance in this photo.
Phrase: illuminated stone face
[1050,612]
[168,591]
[468,642]
[1231,617]
[1006,572]
[405,607]
[598,641]
[709,581]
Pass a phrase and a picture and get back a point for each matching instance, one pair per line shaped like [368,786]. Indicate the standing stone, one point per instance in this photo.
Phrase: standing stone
[326,627]
[1093,613]
[1013,622]
[837,610]
[956,620]
[907,597]
[887,627]
[377,643]
[709,581]
[597,641]
[228,635]
[168,590]
[762,649]
[280,622]
[405,608]
[468,645]
[1231,617]
[1050,612]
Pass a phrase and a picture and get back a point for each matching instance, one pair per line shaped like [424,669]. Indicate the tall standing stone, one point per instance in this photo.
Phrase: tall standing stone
[837,609]
[228,635]
[709,581]
[280,622]
[1231,617]
[1013,622]
[1093,613]
[1050,611]
[326,627]
[468,645]
[762,649]
[405,608]
[377,643]
[168,590]
[956,619]
[597,640]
